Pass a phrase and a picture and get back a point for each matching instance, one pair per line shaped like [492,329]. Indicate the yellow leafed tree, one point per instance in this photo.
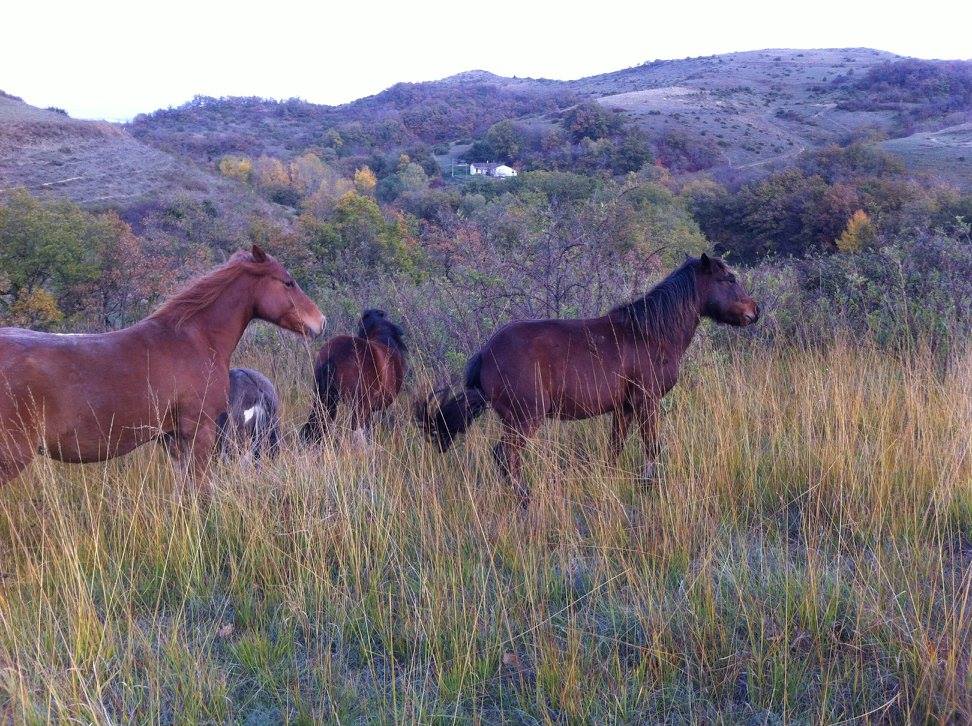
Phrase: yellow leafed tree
[365,180]
[858,233]
[236,167]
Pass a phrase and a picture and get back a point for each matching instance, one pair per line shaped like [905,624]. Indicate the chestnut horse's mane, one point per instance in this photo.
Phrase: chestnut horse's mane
[666,308]
[201,292]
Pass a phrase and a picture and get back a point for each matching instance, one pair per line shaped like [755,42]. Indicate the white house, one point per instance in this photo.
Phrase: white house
[490,169]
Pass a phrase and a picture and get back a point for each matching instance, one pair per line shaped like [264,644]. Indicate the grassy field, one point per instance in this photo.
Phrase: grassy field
[806,556]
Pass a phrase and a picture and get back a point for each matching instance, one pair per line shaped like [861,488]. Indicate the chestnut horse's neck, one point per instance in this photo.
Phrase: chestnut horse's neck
[216,310]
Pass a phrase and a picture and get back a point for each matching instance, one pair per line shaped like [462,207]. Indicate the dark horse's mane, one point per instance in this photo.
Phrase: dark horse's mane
[376,326]
[201,292]
[667,307]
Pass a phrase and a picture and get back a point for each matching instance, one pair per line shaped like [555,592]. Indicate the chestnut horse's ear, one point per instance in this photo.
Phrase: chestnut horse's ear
[705,262]
[258,254]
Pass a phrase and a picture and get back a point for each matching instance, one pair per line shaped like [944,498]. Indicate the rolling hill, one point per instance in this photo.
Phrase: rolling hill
[754,112]
[756,109]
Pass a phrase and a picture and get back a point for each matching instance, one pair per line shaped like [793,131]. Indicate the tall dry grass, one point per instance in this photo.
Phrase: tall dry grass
[806,555]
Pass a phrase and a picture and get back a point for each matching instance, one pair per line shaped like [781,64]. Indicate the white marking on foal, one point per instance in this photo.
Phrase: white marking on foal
[249,413]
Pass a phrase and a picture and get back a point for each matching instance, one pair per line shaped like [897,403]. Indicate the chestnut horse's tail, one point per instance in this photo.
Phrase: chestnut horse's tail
[443,416]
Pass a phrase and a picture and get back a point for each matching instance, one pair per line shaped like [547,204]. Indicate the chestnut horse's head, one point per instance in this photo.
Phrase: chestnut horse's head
[278,298]
[722,297]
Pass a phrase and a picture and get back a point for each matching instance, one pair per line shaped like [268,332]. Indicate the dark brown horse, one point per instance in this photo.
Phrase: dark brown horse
[365,371]
[622,363]
[84,398]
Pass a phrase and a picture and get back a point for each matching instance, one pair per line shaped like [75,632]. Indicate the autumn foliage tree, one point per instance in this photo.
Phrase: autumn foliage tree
[858,233]
[61,264]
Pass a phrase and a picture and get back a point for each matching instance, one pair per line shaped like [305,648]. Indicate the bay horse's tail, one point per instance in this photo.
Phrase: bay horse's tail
[323,408]
[443,416]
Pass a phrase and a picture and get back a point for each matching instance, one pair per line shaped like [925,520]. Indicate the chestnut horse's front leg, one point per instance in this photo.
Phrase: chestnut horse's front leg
[647,413]
[191,447]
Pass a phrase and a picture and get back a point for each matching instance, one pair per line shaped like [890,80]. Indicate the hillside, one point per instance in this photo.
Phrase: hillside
[750,111]
[101,165]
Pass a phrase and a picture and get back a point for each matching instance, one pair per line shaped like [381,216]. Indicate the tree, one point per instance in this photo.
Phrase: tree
[365,180]
[506,140]
[858,234]
[591,121]
[61,263]
[236,167]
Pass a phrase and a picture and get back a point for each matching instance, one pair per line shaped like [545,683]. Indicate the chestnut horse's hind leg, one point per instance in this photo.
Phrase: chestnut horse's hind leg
[17,450]
[11,466]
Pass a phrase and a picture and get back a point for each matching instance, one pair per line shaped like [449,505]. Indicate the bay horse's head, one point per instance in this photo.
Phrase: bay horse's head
[374,324]
[721,295]
[278,299]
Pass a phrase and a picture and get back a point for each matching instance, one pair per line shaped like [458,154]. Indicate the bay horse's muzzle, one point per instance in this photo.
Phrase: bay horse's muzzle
[753,316]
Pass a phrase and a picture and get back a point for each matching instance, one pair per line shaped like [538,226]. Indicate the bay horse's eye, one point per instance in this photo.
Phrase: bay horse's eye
[290,283]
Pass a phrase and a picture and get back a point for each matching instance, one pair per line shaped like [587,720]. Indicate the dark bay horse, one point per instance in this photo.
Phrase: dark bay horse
[85,398]
[621,363]
[251,421]
[365,371]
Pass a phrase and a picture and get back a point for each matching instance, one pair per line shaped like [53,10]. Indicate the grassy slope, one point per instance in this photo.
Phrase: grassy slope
[946,154]
[807,555]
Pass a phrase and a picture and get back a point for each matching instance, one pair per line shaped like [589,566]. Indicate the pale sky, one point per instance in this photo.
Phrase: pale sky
[114,59]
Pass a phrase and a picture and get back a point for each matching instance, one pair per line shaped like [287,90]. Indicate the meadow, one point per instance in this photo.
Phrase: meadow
[806,556]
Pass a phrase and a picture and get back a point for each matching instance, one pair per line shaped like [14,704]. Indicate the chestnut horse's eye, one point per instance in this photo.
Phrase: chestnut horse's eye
[290,283]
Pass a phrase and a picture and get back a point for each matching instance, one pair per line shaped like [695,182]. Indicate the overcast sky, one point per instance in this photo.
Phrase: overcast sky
[108,59]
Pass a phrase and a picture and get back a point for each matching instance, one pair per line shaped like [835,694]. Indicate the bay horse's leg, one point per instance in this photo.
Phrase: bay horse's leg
[508,454]
[647,414]
[619,430]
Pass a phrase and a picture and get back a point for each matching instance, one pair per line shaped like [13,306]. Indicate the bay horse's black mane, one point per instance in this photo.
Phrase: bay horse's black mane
[376,326]
[665,309]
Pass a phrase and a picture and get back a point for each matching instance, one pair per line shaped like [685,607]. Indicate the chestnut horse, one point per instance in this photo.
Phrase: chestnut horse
[621,363]
[85,398]
[365,371]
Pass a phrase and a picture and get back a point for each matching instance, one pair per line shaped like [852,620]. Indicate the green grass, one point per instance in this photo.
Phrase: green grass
[805,557]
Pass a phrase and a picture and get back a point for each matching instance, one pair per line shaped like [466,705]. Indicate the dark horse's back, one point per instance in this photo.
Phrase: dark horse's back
[252,418]
[364,374]
[570,369]
[532,369]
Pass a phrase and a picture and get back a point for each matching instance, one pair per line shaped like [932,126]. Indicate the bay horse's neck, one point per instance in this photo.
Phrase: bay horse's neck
[667,317]
[681,335]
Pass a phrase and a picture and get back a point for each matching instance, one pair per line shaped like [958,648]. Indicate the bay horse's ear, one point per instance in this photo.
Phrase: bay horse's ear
[258,254]
[705,262]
